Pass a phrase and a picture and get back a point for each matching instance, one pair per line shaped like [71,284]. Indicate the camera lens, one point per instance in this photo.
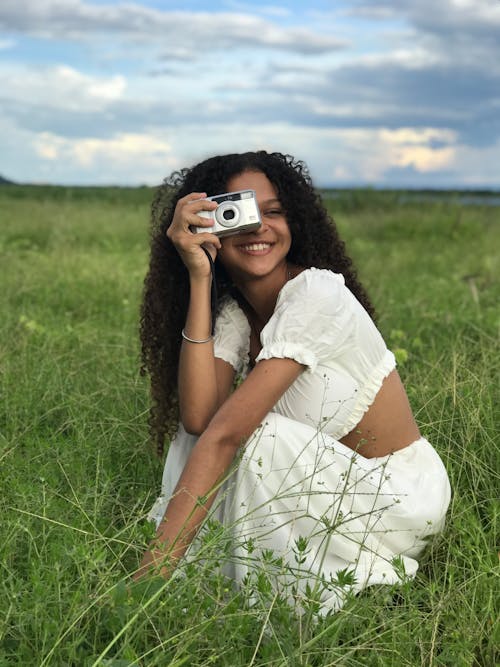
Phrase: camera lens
[227,214]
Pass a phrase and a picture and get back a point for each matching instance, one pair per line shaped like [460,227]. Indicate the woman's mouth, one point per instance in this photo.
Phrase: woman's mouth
[256,248]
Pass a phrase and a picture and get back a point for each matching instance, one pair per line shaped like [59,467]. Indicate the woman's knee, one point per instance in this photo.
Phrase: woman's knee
[279,439]
[274,423]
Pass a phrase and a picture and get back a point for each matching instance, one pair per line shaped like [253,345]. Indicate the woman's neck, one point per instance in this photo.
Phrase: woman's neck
[262,293]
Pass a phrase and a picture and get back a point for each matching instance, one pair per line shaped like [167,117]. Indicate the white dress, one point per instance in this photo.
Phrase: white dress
[300,504]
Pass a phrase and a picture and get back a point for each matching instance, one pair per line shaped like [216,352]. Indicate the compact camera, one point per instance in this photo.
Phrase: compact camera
[236,213]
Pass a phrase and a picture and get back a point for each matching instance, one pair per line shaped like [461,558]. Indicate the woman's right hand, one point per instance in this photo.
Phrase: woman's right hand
[190,244]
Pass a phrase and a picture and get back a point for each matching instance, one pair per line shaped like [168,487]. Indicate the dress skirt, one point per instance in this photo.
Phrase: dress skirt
[316,516]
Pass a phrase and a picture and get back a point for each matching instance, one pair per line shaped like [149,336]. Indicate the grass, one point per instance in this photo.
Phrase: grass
[77,474]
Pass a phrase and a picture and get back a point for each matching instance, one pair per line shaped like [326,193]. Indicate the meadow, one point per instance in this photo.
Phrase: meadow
[78,474]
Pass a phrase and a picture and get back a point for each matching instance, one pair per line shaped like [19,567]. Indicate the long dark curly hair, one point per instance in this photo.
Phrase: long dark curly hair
[315,243]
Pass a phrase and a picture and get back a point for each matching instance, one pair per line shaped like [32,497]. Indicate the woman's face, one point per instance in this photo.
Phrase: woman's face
[262,251]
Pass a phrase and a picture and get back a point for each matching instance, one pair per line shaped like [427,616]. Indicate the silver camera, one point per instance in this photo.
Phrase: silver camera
[236,213]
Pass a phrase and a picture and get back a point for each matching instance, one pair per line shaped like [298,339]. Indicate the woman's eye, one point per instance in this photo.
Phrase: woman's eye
[274,211]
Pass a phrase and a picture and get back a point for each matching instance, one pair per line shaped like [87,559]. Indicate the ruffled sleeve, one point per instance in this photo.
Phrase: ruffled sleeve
[313,320]
[232,336]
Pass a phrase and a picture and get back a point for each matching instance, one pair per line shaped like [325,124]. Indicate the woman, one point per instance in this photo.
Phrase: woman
[316,454]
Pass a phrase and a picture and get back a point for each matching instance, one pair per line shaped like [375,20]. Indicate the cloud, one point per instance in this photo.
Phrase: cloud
[346,155]
[6,44]
[181,33]
[87,152]
[269,10]
[465,14]
[409,147]
[428,157]
[108,160]
[412,89]
[458,28]
[440,107]
[452,47]
[366,154]
[59,87]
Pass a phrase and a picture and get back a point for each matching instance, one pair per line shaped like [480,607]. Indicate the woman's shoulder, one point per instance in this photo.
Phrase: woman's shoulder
[232,335]
[230,311]
[313,283]
[313,320]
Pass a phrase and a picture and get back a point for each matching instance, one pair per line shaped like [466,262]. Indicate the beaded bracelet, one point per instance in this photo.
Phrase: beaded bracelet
[192,340]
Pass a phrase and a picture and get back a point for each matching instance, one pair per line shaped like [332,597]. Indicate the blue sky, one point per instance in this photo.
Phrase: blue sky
[402,93]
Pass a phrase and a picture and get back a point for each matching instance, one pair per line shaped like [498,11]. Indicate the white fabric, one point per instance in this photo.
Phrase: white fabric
[319,323]
[357,514]
[295,480]
[232,337]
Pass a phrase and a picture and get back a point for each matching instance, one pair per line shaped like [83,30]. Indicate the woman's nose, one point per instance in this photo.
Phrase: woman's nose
[263,227]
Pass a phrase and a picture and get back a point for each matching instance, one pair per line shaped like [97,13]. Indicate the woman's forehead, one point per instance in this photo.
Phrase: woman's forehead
[253,180]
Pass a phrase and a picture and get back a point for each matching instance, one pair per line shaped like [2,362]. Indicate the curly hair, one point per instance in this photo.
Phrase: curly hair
[315,243]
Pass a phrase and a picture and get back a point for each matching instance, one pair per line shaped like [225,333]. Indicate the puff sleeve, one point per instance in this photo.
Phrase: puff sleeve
[232,336]
[313,320]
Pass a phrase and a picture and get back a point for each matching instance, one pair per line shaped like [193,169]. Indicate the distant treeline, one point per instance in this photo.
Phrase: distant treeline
[343,199]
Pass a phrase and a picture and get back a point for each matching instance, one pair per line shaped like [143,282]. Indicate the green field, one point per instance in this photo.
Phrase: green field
[78,475]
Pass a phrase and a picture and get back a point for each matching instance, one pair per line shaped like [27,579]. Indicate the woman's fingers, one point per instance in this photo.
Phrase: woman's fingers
[182,228]
[192,241]
[182,235]
[186,211]
[211,248]
[196,202]
[187,242]
[202,204]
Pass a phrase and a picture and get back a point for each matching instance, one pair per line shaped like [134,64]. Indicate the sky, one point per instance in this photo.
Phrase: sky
[385,93]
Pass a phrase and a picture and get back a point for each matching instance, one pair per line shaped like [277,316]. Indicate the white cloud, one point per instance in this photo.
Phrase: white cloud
[335,156]
[236,80]
[486,12]
[6,44]
[466,13]
[411,58]
[356,155]
[143,157]
[179,33]
[268,10]
[366,154]
[409,147]
[60,86]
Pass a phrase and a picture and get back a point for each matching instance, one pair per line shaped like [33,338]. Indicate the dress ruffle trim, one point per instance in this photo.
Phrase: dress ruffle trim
[231,357]
[368,392]
[288,350]
[230,320]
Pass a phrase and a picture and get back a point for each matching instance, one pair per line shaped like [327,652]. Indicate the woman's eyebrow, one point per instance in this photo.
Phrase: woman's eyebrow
[271,201]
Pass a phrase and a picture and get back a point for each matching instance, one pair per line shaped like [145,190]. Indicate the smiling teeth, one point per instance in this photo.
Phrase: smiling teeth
[257,246]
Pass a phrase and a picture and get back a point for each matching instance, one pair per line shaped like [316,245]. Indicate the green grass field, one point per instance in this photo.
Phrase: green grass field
[78,476]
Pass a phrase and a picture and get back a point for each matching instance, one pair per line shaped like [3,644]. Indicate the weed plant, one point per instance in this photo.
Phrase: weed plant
[78,475]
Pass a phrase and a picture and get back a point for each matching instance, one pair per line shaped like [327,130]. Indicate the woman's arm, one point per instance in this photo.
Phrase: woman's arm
[203,381]
[212,456]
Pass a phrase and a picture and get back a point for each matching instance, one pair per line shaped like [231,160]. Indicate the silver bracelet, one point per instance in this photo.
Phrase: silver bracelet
[192,340]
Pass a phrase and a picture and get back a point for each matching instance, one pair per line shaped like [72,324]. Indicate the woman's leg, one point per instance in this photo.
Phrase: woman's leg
[322,509]
[178,454]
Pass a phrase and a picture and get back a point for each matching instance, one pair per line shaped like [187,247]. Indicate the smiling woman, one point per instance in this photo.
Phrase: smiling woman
[259,253]
[294,429]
